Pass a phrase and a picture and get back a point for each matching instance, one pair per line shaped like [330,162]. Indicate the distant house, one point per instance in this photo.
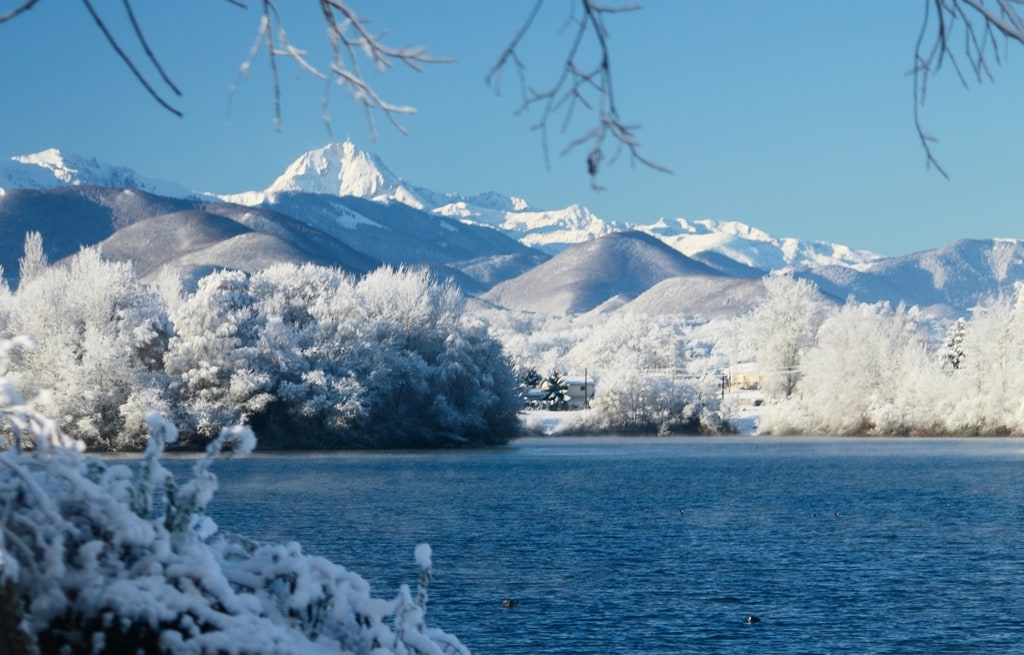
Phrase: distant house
[535,397]
[580,390]
[743,376]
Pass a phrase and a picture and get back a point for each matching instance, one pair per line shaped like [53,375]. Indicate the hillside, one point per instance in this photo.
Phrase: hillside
[948,280]
[153,231]
[582,277]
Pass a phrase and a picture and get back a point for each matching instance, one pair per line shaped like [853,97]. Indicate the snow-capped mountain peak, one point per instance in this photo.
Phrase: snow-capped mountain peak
[52,168]
[341,169]
[53,161]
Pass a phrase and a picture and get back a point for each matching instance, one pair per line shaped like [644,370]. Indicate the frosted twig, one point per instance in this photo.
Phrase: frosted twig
[980,47]
[580,83]
[350,42]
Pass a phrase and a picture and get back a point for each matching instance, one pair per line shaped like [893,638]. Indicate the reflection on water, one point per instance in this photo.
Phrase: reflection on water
[667,545]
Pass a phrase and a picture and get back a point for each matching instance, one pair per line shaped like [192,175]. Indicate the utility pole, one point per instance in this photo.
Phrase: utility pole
[586,389]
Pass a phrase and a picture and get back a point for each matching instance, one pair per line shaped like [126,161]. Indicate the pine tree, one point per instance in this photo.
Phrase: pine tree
[954,355]
[558,390]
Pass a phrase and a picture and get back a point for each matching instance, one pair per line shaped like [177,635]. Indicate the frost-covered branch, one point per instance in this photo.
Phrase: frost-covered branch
[982,22]
[87,564]
[352,46]
[583,82]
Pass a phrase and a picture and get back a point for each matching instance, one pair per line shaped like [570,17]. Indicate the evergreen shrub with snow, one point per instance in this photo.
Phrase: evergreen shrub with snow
[100,558]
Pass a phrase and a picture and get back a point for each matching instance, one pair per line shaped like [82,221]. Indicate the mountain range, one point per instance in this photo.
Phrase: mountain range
[342,206]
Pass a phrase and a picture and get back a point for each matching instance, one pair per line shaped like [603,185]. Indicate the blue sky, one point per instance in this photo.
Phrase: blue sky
[793,117]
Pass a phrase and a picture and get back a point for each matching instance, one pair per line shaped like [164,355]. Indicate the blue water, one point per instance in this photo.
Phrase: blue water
[666,545]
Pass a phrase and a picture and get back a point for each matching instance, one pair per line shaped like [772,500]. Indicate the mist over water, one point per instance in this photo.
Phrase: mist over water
[668,545]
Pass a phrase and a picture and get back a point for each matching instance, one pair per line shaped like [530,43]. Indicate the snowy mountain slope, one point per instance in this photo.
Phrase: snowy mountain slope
[69,218]
[342,169]
[209,238]
[586,275]
[752,247]
[549,230]
[52,168]
[480,240]
[950,280]
[699,297]
[491,269]
[396,233]
[153,231]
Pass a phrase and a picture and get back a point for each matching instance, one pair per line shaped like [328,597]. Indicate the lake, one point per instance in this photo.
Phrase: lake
[659,546]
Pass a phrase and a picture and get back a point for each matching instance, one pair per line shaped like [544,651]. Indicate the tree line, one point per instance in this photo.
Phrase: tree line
[308,356]
[877,369]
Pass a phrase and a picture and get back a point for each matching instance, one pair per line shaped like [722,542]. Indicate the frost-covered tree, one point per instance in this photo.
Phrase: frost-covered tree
[530,378]
[433,375]
[34,261]
[212,354]
[649,376]
[307,347]
[987,389]
[953,356]
[100,336]
[869,372]
[781,329]
[556,391]
[312,358]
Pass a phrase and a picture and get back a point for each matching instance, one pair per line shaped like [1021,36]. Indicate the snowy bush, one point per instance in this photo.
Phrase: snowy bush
[98,558]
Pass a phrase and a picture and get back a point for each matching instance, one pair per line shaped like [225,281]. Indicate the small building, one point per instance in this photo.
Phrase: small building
[744,376]
[580,390]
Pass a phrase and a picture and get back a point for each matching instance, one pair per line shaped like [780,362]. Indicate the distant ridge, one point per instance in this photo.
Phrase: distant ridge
[342,206]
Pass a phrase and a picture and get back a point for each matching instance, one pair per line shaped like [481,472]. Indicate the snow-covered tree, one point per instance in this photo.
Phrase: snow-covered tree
[987,388]
[34,261]
[425,359]
[649,376]
[312,358]
[869,372]
[100,337]
[782,328]
[953,355]
[556,390]
[210,358]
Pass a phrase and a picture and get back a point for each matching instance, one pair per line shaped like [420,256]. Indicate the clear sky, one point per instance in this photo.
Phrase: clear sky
[793,117]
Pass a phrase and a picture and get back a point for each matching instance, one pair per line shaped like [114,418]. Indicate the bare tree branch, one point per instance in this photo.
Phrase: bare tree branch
[146,48]
[580,83]
[128,60]
[23,7]
[982,22]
